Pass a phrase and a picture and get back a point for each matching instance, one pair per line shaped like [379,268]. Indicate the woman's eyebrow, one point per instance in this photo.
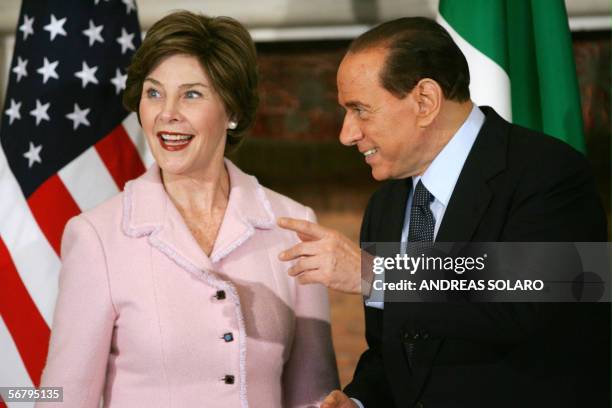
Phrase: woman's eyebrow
[189,85]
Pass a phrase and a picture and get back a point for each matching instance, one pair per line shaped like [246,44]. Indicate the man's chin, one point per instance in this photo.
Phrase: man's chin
[380,174]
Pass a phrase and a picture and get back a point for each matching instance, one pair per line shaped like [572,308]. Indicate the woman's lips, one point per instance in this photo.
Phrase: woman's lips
[173,141]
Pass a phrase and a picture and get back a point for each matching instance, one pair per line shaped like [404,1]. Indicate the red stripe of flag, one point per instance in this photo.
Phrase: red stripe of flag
[120,156]
[22,318]
[52,207]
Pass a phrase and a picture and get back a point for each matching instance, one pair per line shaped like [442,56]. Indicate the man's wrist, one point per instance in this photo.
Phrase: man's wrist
[367,276]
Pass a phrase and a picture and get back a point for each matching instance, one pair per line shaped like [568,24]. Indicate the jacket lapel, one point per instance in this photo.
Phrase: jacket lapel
[472,193]
[148,211]
[248,209]
[390,224]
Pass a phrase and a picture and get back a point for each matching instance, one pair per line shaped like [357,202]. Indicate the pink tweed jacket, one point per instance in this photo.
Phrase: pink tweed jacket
[145,319]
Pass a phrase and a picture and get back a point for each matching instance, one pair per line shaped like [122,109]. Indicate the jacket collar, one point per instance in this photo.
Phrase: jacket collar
[148,210]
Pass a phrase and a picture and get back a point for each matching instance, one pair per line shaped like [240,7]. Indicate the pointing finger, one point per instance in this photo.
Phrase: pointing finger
[307,231]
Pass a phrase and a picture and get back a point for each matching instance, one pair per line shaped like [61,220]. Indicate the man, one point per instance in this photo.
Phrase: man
[457,173]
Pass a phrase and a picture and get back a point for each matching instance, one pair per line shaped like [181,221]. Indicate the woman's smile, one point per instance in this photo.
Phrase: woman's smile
[173,141]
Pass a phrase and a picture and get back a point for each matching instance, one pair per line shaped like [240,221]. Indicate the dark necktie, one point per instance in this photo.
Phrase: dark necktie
[422,221]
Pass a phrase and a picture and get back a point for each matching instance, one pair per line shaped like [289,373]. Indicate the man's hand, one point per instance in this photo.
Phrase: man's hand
[324,256]
[338,399]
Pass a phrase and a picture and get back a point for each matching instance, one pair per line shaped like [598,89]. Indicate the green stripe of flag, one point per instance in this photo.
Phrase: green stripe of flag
[531,41]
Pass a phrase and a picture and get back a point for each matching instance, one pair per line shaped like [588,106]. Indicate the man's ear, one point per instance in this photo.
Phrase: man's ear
[428,96]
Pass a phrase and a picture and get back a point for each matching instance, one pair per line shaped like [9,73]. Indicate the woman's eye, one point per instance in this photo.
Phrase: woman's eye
[152,93]
[192,94]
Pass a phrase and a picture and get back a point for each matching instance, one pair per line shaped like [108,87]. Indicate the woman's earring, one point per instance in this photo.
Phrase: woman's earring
[232,125]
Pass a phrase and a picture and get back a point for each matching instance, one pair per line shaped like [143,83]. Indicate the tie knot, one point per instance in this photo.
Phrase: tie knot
[422,196]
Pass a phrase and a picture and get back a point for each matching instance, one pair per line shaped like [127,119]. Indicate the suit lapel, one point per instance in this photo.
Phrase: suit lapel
[391,220]
[472,193]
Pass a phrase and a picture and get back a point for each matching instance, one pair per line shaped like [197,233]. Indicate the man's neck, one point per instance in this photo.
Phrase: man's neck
[451,117]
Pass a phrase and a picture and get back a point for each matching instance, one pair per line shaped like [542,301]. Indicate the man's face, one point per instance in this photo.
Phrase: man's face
[383,127]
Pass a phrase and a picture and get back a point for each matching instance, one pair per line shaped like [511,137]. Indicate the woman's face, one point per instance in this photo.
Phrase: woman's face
[183,118]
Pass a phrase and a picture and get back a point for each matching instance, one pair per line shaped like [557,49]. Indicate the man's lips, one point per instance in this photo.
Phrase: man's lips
[173,141]
[369,154]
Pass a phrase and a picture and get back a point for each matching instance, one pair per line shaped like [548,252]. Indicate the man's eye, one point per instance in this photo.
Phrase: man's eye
[192,94]
[152,93]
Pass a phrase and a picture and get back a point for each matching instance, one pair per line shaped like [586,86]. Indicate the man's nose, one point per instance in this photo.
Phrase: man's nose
[350,133]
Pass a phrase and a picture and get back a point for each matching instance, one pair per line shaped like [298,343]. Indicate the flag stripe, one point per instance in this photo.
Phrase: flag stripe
[482,24]
[27,327]
[13,372]
[134,131]
[88,180]
[495,91]
[53,218]
[37,263]
[120,156]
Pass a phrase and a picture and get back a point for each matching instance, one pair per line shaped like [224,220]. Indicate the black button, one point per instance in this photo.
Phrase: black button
[228,379]
[220,295]
[228,337]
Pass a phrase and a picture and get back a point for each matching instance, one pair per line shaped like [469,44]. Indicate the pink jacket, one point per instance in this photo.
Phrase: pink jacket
[145,319]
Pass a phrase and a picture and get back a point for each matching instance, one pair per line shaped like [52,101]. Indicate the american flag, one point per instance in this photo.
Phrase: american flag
[67,145]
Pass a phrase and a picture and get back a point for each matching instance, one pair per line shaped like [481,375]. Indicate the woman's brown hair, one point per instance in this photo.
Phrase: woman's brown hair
[225,51]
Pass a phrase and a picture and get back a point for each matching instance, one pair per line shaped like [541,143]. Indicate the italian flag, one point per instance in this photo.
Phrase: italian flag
[521,61]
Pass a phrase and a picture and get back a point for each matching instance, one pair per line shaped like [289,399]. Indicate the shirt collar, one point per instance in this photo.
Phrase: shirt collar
[442,174]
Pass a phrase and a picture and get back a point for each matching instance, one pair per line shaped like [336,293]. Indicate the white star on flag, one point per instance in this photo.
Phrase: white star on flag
[48,70]
[119,81]
[33,155]
[20,68]
[78,117]
[55,27]
[13,111]
[126,41]
[129,5]
[27,26]
[40,113]
[94,33]
[87,75]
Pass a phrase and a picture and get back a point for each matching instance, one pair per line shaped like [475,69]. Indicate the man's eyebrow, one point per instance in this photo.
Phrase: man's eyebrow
[189,85]
[356,104]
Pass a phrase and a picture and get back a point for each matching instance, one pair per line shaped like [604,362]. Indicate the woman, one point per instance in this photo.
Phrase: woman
[172,294]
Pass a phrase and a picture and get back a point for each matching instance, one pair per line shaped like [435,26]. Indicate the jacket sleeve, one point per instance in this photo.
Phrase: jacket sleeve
[310,373]
[369,385]
[83,319]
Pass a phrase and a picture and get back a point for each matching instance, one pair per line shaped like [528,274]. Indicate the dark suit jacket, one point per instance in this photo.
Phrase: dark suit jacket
[516,185]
